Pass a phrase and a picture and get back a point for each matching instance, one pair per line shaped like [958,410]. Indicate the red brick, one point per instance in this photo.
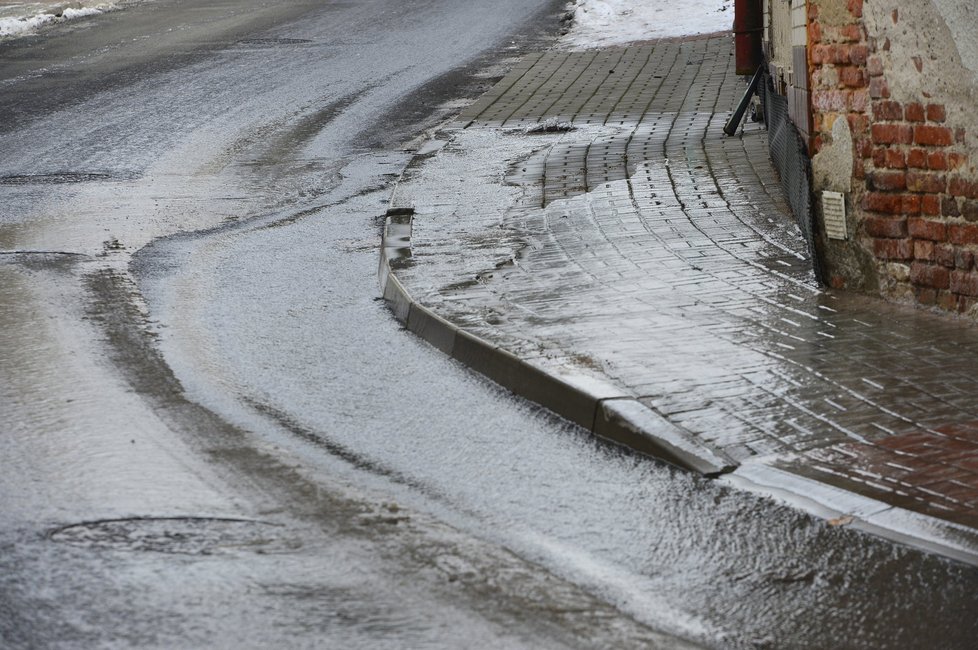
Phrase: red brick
[857,123]
[927,229]
[907,442]
[956,160]
[964,282]
[874,66]
[852,76]
[929,275]
[858,101]
[888,181]
[858,54]
[962,234]
[970,210]
[822,53]
[830,100]
[878,88]
[893,249]
[926,295]
[917,158]
[959,134]
[940,136]
[864,146]
[964,260]
[895,159]
[855,8]
[892,133]
[879,157]
[937,160]
[914,112]
[944,254]
[814,32]
[892,203]
[887,228]
[949,207]
[930,205]
[910,204]
[923,251]
[926,182]
[887,110]
[936,113]
[884,203]
[961,186]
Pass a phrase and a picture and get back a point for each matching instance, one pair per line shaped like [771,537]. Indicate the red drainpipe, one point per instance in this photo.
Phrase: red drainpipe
[748,28]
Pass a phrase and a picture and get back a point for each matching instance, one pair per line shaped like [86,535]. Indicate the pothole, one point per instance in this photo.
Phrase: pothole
[178,535]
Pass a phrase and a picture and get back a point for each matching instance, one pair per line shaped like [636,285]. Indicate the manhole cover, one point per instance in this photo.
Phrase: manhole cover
[183,535]
[53,179]
[272,42]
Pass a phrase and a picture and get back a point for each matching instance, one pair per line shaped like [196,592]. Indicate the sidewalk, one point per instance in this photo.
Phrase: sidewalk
[587,236]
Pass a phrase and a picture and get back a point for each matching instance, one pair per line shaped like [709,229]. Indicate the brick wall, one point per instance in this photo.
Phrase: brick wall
[913,192]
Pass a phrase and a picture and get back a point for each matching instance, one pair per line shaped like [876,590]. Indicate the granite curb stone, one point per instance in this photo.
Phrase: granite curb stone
[599,407]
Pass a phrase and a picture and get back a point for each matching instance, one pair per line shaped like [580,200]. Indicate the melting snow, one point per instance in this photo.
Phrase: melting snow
[601,23]
[21,19]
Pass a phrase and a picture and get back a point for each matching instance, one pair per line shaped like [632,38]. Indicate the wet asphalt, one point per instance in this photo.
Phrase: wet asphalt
[216,434]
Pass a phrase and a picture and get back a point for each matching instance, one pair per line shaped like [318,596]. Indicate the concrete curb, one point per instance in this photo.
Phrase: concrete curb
[863,513]
[612,414]
[603,409]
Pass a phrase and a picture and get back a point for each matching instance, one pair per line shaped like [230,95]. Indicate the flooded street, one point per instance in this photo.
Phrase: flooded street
[216,434]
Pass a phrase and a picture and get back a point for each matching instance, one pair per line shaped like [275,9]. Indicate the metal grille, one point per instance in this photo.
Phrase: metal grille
[790,156]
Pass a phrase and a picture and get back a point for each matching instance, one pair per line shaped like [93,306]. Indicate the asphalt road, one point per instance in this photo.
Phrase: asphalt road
[216,435]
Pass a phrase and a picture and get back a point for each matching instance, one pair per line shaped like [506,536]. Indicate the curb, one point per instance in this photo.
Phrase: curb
[614,415]
[603,409]
[860,512]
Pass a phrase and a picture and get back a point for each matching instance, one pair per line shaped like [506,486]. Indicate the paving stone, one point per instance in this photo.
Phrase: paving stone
[632,239]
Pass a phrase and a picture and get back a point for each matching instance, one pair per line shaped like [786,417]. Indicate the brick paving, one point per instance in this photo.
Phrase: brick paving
[629,238]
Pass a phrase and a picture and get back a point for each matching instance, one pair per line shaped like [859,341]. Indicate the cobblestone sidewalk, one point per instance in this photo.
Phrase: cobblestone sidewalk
[592,221]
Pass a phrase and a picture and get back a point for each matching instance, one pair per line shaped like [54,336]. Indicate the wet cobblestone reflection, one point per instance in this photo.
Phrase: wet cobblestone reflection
[646,248]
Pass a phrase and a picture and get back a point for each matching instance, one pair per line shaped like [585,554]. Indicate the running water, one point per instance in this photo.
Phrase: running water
[24,18]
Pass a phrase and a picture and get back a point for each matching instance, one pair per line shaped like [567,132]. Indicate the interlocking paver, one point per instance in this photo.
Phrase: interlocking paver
[660,256]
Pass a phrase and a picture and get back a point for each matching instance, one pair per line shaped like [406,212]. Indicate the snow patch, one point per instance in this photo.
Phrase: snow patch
[603,23]
[28,18]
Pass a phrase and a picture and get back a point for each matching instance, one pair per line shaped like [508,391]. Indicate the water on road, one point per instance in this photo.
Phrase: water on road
[217,434]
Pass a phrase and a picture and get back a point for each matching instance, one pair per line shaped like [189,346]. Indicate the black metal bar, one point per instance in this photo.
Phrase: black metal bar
[730,128]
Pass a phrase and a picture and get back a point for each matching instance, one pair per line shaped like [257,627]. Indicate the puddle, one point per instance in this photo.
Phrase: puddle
[177,535]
